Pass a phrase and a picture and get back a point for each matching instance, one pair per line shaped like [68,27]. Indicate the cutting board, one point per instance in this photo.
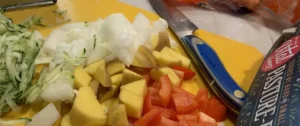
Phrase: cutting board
[241,61]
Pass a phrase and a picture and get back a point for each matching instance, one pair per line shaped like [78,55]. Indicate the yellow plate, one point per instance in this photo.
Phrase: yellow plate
[241,61]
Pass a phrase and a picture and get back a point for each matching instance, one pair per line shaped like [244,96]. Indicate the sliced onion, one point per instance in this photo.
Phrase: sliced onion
[60,90]
[160,25]
[46,117]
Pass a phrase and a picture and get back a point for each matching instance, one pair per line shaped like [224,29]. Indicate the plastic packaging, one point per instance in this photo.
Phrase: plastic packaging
[287,9]
[273,99]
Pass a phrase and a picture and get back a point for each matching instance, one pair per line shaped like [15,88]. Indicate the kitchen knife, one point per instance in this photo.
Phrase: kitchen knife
[16,4]
[204,57]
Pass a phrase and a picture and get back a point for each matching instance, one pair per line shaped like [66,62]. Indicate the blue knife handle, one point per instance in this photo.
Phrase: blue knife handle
[213,65]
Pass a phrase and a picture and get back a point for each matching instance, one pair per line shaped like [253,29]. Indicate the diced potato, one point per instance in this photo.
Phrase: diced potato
[38,69]
[91,69]
[116,79]
[159,72]
[154,40]
[165,60]
[184,60]
[122,116]
[115,66]
[130,76]
[144,58]
[82,78]
[86,110]
[191,86]
[106,104]
[112,114]
[105,95]
[102,76]
[94,85]
[160,41]
[137,87]
[133,103]
[66,121]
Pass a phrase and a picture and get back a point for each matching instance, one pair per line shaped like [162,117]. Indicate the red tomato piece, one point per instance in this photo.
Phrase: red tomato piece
[165,91]
[183,123]
[206,120]
[131,120]
[166,113]
[180,90]
[188,74]
[187,117]
[183,103]
[195,112]
[147,78]
[216,110]
[147,103]
[202,95]
[192,123]
[156,85]
[147,118]
[215,100]
[167,122]
[202,99]
[154,94]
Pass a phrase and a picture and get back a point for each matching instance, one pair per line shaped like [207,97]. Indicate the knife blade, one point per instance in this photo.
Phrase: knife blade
[17,4]
[204,57]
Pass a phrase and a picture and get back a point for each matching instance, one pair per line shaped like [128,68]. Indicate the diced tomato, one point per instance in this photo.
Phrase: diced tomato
[187,117]
[171,105]
[216,110]
[188,74]
[192,123]
[202,95]
[195,112]
[154,95]
[167,122]
[206,120]
[156,85]
[180,90]
[183,103]
[207,124]
[166,112]
[202,99]
[183,123]
[148,118]
[165,91]
[215,100]
[131,120]
[147,78]
[147,103]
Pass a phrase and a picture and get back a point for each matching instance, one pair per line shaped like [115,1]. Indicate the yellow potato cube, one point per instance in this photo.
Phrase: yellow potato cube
[66,121]
[184,60]
[159,72]
[165,60]
[86,110]
[137,87]
[116,79]
[133,103]
[82,78]
[115,66]
[91,69]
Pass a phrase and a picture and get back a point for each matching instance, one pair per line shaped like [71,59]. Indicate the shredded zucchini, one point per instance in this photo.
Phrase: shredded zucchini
[14,122]
[19,49]
[60,12]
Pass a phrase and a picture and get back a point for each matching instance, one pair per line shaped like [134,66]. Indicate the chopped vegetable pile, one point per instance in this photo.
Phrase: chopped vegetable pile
[106,72]
[19,48]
